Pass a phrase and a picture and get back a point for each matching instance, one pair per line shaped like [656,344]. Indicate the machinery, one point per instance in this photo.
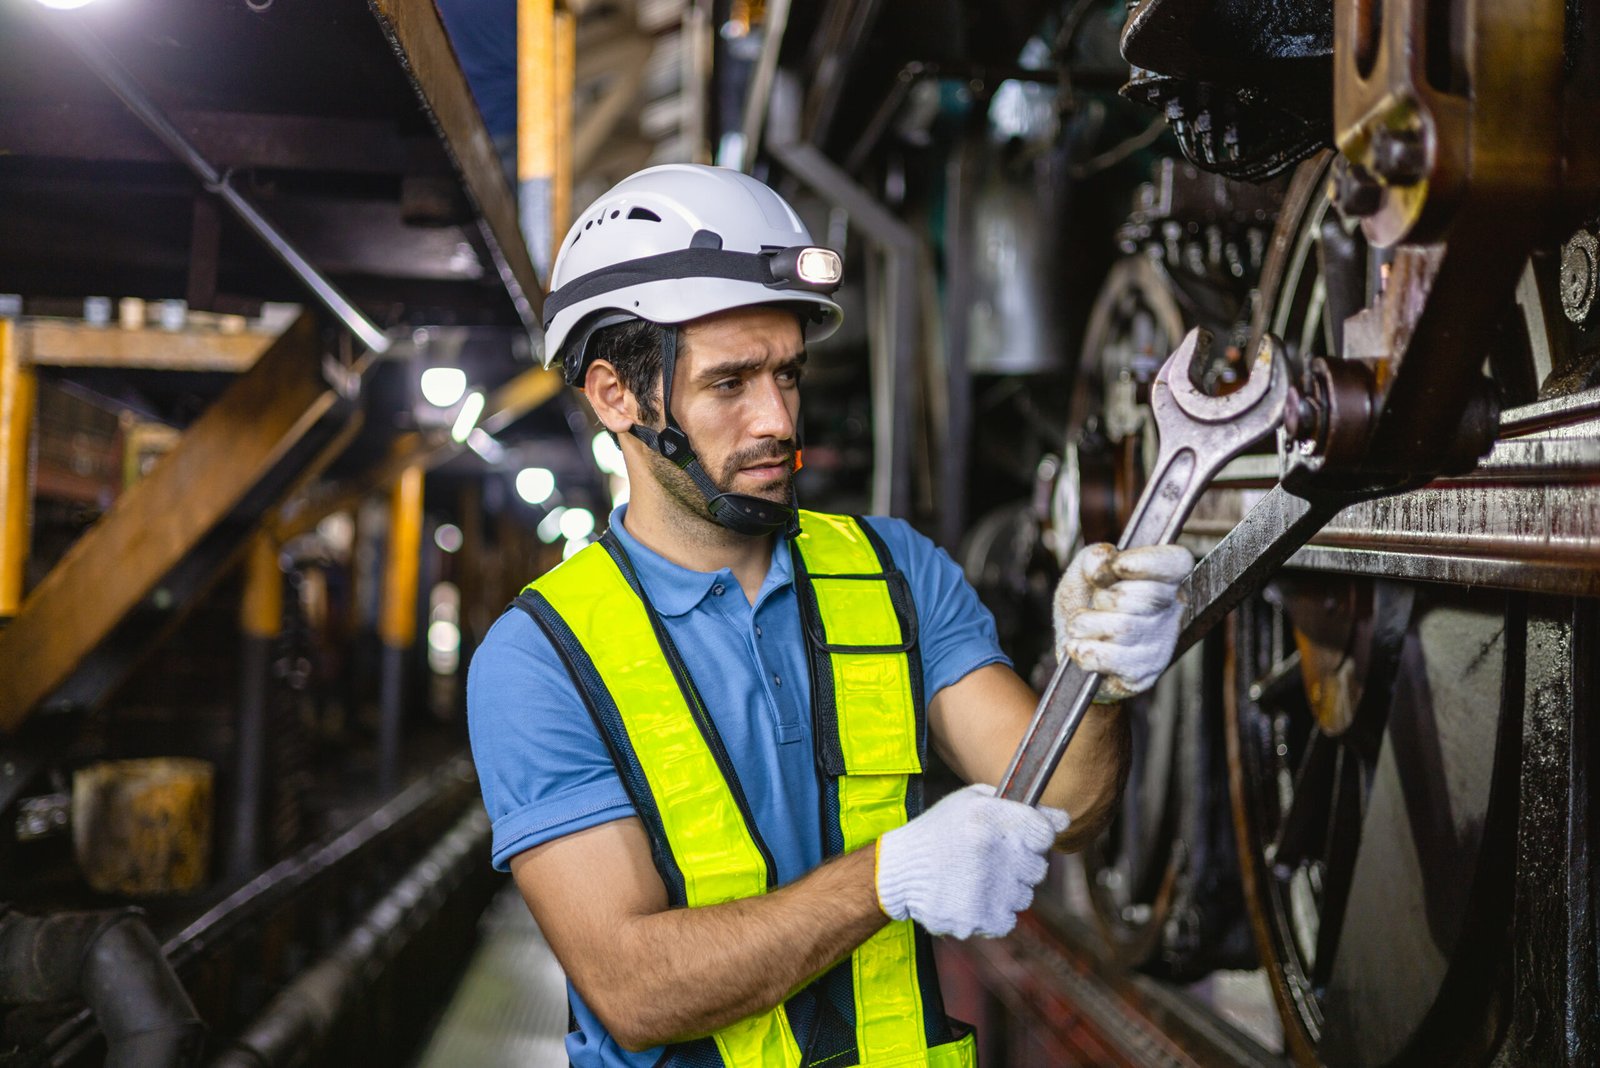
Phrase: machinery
[1362,797]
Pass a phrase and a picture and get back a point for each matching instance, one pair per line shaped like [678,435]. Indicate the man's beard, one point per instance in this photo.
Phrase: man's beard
[682,490]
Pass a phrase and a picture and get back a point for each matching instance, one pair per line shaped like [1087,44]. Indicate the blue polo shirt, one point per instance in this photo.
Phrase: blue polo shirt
[543,766]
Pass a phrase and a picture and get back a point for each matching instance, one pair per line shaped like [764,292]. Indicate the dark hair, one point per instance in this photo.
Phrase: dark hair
[634,349]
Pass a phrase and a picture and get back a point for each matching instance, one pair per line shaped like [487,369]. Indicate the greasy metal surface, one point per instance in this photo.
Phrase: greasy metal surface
[173,531]
[1477,90]
[1198,435]
[1375,859]
[1527,518]
[1556,1008]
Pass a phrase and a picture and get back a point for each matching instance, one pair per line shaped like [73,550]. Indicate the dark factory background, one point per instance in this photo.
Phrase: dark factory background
[276,449]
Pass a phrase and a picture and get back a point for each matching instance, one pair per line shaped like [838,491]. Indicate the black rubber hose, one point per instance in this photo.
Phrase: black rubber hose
[112,961]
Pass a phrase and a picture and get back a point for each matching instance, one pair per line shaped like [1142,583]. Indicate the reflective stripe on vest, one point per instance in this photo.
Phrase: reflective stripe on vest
[861,628]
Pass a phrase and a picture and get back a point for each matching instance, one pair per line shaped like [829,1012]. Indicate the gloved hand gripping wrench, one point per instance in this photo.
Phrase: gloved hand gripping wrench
[1198,435]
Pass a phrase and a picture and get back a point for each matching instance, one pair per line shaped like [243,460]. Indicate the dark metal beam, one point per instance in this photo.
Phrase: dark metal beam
[227,138]
[418,39]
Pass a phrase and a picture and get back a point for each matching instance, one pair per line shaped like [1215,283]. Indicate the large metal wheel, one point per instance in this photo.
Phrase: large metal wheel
[1370,772]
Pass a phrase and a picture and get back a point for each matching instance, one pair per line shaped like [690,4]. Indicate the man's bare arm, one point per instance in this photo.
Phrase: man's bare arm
[655,974]
[977,723]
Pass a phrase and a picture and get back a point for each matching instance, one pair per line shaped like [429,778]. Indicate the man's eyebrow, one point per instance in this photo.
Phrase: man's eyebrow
[747,364]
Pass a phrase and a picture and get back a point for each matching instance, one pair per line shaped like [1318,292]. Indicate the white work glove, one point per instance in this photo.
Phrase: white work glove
[968,865]
[1117,614]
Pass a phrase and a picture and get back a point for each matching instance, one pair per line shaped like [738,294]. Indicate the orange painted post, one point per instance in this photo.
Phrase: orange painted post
[18,395]
[398,625]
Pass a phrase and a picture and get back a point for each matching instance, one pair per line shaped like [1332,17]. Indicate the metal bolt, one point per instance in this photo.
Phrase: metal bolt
[1359,193]
[1580,272]
[1399,156]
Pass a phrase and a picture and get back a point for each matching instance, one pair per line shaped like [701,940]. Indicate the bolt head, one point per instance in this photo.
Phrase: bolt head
[1400,157]
[1359,194]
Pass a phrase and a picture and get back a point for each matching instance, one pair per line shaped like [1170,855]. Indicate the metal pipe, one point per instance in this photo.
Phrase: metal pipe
[112,961]
[117,77]
[536,151]
[398,626]
[260,621]
[759,97]
[892,379]
[299,1020]
[18,393]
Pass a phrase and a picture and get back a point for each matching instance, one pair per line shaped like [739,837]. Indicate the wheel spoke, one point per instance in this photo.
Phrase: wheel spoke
[1343,842]
[1300,832]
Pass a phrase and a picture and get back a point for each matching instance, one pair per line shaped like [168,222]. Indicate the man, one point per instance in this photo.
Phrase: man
[700,740]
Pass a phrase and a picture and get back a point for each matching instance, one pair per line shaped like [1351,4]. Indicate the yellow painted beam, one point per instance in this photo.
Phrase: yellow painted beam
[257,438]
[536,127]
[68,343]
[566,47]
[18,394]
[398,627]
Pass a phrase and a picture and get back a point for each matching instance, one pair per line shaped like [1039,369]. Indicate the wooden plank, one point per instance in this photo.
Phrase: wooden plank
[278,422]
[70,343]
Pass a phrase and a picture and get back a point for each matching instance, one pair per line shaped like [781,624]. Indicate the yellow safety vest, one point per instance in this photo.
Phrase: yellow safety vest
[881,1007]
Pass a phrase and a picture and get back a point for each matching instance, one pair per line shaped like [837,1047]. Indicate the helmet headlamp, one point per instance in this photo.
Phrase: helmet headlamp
[807,267]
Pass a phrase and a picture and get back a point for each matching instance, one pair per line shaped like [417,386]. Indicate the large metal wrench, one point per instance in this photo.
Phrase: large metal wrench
[1198,435]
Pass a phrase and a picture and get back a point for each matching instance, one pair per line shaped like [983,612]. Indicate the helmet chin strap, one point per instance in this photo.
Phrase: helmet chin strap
[741,513]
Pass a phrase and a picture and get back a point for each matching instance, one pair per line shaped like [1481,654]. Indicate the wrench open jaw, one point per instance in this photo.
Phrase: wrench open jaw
[1198,435]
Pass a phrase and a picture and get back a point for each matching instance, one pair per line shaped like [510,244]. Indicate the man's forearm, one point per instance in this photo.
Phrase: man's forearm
[683,973]
[1091,775]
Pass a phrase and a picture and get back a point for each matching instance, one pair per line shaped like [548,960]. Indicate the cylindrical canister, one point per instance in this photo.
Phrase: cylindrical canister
[143,827]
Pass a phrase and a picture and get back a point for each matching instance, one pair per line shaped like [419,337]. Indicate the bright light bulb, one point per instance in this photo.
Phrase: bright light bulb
[447,537]
[577,524]
[66,5]
[570,550]
[535,484]
[443,386]
[467,418]
[549,528]
[444,636]
[608,455]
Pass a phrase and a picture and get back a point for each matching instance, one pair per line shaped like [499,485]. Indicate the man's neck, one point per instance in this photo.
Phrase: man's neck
[700,544]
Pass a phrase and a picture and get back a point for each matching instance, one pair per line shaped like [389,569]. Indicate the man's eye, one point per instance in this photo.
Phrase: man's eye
[725,384]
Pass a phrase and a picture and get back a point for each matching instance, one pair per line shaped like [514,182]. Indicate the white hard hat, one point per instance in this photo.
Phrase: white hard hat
[676,242]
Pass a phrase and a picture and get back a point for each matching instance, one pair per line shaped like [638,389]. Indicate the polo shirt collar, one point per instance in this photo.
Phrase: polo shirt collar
[675,589]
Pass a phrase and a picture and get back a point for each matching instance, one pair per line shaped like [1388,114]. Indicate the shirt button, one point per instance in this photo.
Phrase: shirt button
[717,590]
[758,631]
[776,681]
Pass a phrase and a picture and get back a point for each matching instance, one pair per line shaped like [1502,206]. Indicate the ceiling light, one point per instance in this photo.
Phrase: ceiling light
[443,386]
[577,523]
[535,484]
[467,418]
[608,455]
[448,537]
[549,528]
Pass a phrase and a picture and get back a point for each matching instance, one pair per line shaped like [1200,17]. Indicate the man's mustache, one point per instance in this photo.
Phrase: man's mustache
[760,458]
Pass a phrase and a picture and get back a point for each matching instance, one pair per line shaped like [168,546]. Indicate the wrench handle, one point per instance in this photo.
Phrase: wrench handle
[1055,721]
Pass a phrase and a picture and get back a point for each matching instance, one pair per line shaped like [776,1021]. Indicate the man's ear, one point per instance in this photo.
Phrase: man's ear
[613,403]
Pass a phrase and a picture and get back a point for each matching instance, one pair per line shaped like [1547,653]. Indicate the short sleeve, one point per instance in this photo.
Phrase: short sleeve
[956,633]
[542,766]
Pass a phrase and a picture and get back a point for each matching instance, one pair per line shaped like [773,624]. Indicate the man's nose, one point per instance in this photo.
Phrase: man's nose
[772,417]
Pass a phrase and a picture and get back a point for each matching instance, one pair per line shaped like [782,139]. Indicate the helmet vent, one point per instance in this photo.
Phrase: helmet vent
[644,213]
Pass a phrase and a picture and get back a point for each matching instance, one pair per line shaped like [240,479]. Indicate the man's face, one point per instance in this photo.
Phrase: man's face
[736,393]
